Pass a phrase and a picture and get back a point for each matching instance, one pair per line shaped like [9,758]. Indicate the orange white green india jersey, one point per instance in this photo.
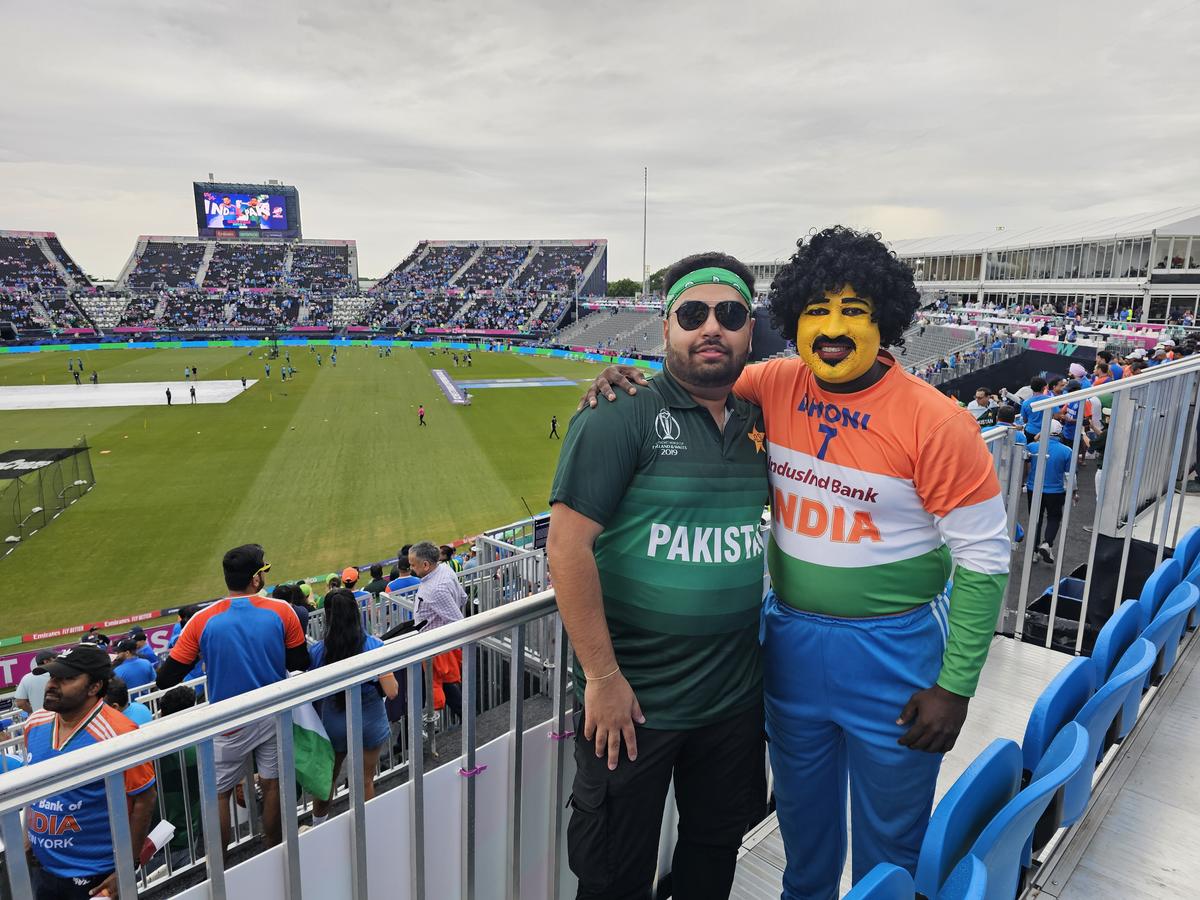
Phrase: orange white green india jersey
[877,498]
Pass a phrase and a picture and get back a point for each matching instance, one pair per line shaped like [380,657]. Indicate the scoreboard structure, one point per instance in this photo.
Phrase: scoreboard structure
[254,212]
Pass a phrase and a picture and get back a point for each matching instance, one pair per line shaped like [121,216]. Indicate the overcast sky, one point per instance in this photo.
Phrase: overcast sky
[486,120]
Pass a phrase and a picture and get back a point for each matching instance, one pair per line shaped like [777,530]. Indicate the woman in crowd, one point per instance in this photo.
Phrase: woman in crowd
[344,637]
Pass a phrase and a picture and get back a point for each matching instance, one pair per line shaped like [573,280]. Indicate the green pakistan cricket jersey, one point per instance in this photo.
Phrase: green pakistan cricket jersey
[681,555]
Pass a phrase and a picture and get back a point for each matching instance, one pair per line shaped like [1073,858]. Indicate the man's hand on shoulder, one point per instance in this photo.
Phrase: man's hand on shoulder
[610,710]
[935,717]
[626,378]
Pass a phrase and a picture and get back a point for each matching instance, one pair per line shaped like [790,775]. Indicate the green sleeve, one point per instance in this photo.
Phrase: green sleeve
[974,607]
[599,457]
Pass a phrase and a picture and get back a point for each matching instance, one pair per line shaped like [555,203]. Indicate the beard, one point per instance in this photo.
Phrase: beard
[688,368]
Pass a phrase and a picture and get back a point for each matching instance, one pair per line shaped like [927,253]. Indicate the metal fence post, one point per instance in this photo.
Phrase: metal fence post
[516,757]
[287,802]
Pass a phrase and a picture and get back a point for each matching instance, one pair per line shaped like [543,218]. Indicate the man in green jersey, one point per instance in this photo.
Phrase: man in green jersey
[657,556]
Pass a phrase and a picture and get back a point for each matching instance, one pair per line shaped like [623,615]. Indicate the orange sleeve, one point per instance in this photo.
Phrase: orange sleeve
[749,385]
[293,634]
[138,778]
[141,776]
[954,467]
[187,648]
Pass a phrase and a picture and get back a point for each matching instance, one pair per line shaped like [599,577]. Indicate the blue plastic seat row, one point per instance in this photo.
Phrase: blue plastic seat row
[988,815]
[1012,799]
[968,881]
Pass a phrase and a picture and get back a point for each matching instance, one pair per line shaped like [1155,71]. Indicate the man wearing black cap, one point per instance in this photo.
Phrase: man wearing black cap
[95,636]
[131,668]
[69,833]
[246,642]
[137,634]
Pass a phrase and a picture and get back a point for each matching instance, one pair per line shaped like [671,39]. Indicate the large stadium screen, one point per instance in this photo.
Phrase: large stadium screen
[266,212]
[225,210]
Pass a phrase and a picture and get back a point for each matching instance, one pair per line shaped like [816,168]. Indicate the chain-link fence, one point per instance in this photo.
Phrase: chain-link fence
[30,502]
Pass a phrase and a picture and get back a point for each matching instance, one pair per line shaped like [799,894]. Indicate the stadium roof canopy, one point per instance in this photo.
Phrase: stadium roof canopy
[1178,220]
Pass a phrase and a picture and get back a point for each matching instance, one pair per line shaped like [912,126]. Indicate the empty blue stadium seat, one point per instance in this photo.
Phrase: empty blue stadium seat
[1003,845]
[1193,577]
[989,782]
[1118,634]
[884,882]
[1188,549]
[1099,716]
[1059,702]
[968,881]
[1161,582]
[1166,629]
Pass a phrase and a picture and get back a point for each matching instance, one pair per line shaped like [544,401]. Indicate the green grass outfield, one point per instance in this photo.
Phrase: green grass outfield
[328,470]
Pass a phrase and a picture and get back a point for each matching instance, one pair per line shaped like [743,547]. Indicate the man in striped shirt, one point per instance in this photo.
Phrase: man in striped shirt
[69,831]
[440,600]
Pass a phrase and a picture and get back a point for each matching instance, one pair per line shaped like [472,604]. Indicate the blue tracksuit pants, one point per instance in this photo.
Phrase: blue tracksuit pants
[834,689]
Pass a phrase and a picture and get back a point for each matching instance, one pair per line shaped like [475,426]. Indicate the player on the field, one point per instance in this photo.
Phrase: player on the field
[421,415]
[553,427]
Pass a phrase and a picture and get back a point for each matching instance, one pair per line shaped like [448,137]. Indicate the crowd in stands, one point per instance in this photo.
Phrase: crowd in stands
[24,267]
[396,279]
[551,315]
[503,314]
[320,269]
[21,309]
[17,309]
[1082,420]
[432,312]
[433,273]
[246,266]
[64,311]
[140,311]
[73,270]
[386,313]
[263,310]
[247,640]
[555,269]
[493,268]
[164,265]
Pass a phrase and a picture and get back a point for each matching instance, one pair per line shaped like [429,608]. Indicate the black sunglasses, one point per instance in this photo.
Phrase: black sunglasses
[731,314]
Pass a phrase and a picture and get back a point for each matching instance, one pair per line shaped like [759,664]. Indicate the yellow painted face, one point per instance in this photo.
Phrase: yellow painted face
[836,337]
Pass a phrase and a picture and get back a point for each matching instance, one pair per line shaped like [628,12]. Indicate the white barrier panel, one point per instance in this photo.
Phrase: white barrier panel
[388,836]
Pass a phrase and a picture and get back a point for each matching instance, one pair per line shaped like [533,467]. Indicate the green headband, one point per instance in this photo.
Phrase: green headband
[710,275]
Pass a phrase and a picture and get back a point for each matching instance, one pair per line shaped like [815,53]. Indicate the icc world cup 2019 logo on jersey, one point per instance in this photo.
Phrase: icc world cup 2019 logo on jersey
[666,426]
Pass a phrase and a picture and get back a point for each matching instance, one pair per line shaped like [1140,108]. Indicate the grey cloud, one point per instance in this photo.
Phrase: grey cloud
[759,121]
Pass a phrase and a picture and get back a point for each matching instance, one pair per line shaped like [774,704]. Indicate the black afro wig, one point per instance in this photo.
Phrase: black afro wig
[839,256]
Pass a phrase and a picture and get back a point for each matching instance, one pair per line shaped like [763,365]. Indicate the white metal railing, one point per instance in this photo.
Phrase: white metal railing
[1152,436]
[197,728]
[970,364]
[1149,443]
